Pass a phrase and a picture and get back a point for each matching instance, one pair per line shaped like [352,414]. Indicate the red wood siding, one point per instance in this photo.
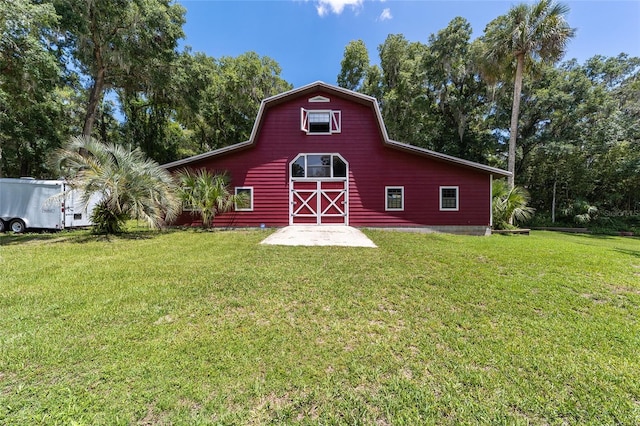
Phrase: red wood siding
[372,166]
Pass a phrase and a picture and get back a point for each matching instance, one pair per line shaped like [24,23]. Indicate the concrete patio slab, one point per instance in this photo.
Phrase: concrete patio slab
[319,235]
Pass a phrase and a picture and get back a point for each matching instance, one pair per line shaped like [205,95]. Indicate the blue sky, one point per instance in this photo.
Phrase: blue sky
[307,37]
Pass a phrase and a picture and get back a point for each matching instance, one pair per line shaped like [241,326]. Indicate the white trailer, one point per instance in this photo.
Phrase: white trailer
[29,203]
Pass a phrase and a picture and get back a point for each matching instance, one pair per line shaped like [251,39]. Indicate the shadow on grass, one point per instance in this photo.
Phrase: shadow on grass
[86,235]
[78,236]
[634,253]
[587,235]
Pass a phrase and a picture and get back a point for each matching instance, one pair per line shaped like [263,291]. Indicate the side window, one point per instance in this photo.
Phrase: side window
[320,122]
[339,167]
[188,207]
[245,203]
[449,198]
[298,167]
[394,198]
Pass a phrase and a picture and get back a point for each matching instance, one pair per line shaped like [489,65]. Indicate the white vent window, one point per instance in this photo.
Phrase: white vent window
[319,99]
[320,122]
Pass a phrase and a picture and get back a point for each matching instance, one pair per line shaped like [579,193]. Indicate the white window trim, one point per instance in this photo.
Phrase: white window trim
[312,178]
[246,209]
[189,208]
[386,199]
[335,121]
[448,209]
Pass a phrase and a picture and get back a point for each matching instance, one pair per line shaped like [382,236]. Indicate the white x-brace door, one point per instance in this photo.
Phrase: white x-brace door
[319,202]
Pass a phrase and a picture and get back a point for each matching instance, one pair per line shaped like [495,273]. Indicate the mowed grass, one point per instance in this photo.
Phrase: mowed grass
[189,327]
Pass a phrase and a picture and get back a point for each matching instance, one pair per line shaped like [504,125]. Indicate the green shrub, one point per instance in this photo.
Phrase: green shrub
[107,220]
[510,206]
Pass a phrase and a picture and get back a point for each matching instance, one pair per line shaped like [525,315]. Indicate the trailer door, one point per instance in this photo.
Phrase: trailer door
[76,213]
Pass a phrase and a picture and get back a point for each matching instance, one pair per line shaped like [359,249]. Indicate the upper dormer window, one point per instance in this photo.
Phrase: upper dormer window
[320,122]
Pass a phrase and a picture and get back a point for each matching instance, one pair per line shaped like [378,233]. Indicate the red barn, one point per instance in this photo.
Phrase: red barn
[320,154]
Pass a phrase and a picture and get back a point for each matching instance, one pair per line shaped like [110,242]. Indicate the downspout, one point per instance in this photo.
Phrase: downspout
[491,201]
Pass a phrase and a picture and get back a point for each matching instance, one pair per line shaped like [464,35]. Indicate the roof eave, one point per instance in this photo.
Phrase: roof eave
[209,154]
[447,158]
[319,85]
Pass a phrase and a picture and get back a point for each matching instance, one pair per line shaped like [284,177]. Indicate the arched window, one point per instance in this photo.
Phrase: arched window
[318,166]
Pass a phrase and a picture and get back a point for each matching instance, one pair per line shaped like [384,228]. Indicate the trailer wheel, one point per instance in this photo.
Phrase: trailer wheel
[17,226]
[3,226]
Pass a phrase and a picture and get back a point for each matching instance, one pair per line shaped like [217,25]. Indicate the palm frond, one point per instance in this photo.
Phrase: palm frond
[207,192]
[131,185]
[510,205]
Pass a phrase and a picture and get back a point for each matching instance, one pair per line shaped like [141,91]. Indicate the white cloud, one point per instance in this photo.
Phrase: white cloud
[385,15]
[324,7]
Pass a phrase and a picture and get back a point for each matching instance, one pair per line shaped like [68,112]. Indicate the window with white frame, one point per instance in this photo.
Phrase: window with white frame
[394,198]
[449,198]
[318,166]
[186,205]
[245,201]
[320,122]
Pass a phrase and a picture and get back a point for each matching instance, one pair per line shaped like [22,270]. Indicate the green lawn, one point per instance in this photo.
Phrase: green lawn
[189,327]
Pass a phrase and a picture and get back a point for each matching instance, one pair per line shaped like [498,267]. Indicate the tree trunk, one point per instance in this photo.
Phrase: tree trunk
[103,128]
[515,112]
[553,203]
[94,99]
[95,95]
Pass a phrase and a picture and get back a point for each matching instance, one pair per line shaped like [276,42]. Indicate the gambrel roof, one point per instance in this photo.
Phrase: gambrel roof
[369,101]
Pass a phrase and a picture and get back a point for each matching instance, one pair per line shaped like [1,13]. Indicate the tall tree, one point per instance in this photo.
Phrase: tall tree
[221,97]
[579,134]
[30,110]
[431,95]
[527,33]
[117,42]
[402,86]
[457,94]
[354,66]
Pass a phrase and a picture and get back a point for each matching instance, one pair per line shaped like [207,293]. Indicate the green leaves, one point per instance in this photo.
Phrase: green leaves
[29,77]
[431,95]
[208,194]
[120,43]
[538,31]
[220,98]
[354,66]
[131,185]
[510,205]
[525,35]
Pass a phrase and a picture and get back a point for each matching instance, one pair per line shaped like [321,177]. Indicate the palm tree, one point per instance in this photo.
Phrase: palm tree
[208,194]
[526,34]
[131,185]
[581,211]
[510,205]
